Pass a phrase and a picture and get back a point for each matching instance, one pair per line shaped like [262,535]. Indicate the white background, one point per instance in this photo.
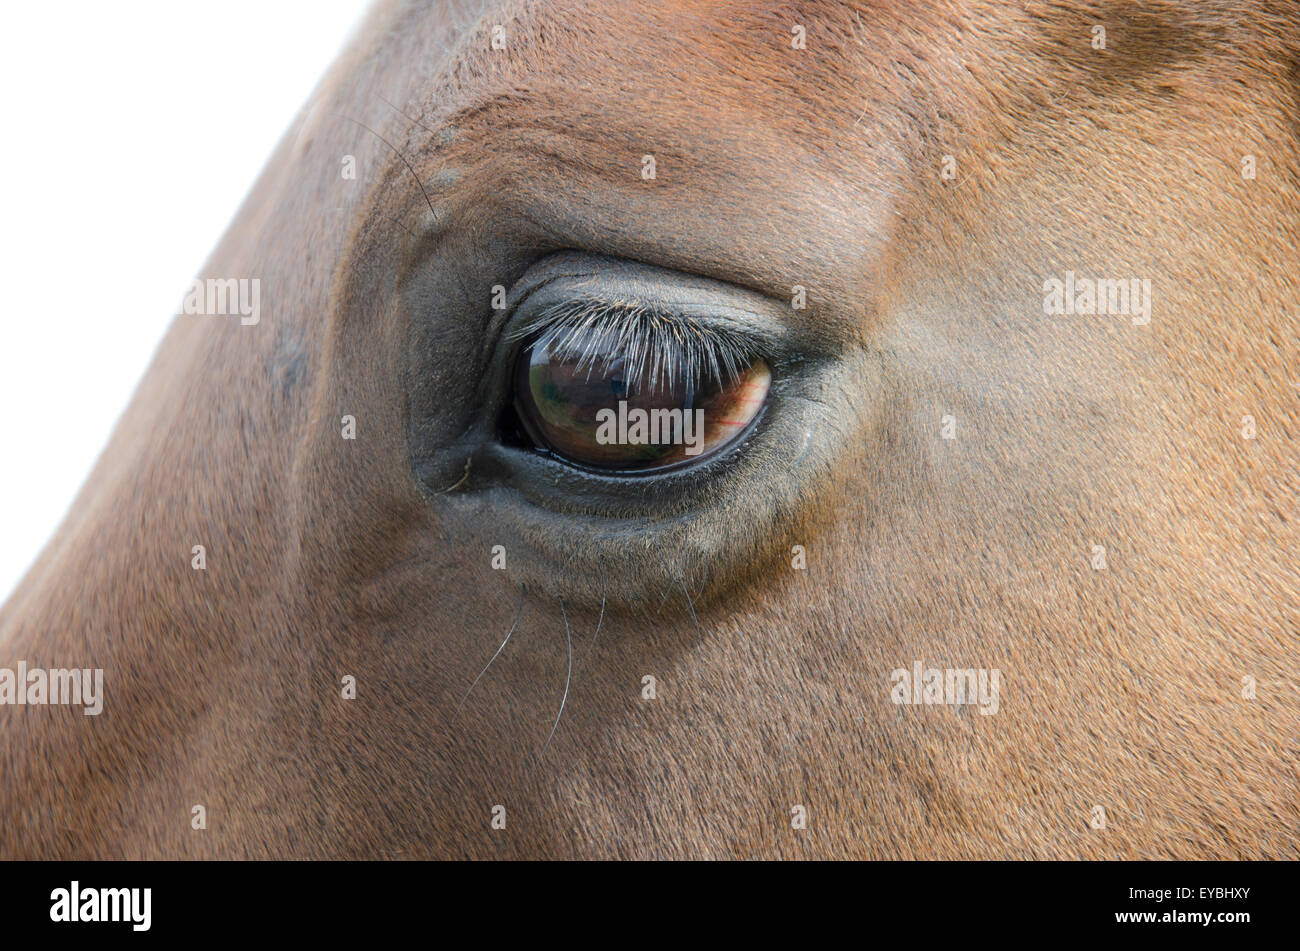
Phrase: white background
[129,135]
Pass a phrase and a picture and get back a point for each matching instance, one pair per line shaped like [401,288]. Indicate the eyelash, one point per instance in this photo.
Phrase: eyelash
[679,349]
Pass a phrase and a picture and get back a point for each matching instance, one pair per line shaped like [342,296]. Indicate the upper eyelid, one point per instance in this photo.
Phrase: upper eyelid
[762,324]
[766,323]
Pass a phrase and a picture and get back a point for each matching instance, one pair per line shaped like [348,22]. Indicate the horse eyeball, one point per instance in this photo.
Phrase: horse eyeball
[633,411]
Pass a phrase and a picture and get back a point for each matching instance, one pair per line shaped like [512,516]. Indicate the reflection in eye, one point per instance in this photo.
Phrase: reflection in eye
[636,392]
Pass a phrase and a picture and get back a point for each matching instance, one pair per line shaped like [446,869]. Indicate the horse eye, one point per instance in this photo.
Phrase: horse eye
[604,405]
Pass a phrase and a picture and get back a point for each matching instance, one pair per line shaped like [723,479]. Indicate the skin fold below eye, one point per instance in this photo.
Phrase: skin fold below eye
[614,406]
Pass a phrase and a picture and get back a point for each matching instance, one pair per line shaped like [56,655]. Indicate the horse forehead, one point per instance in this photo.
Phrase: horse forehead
[752,57]
[733,88]
[558,110]
[659,63]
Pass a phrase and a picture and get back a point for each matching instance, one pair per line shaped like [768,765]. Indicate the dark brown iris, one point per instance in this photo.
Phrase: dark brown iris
[604,411]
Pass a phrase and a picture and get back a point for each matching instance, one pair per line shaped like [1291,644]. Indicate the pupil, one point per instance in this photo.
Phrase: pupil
[618,386]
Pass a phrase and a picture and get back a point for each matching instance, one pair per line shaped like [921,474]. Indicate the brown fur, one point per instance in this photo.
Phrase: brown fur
[776,167]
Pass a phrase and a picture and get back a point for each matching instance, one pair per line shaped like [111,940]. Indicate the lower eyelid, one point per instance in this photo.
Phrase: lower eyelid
[660,528]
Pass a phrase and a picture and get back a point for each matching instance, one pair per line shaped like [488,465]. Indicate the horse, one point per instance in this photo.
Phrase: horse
[995,560]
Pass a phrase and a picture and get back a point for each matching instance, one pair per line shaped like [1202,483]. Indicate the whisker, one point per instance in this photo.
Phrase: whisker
[690,606]
[405,116]
[408,165]
[569,639]
[415,121]
[509,633]
[586,659]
